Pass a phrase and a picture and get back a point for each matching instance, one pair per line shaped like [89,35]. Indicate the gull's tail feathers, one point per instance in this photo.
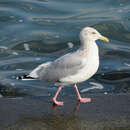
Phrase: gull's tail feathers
[34,74]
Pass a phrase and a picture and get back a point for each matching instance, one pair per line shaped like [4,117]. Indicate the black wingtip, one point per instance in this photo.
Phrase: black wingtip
[24,77]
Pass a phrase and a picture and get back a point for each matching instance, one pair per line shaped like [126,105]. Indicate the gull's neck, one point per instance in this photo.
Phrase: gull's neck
[88,47]
[86,44]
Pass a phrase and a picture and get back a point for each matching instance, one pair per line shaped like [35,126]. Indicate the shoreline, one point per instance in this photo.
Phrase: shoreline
[104,109]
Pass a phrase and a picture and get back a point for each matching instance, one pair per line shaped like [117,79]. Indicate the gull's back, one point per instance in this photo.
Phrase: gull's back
[62,67]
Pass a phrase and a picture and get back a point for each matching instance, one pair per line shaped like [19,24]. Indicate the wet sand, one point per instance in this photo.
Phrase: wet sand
[111,111]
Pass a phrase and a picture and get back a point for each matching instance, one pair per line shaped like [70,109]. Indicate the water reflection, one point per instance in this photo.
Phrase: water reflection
[74,112]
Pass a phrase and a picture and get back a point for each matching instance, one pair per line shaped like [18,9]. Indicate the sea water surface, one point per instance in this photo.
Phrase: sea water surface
[37,31]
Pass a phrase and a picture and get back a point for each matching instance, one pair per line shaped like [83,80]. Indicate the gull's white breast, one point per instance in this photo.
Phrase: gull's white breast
[90,63]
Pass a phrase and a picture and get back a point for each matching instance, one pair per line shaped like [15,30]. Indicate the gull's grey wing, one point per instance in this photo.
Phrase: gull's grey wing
[64,66]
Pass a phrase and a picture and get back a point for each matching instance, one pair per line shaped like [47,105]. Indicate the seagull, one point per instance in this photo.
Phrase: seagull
[71,68]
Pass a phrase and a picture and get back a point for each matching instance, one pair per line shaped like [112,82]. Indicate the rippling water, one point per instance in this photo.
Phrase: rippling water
[35,31]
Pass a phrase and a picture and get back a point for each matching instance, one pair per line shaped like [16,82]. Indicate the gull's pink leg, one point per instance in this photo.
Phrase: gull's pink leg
[54,98]
[83,100]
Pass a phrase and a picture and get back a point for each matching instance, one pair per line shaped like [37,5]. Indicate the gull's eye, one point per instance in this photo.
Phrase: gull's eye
[93,32]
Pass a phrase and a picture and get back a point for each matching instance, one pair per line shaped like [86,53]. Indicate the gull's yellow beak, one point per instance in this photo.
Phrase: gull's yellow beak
[105,39]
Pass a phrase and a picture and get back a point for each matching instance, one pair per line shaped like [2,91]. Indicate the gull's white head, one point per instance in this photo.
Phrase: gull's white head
[91,34]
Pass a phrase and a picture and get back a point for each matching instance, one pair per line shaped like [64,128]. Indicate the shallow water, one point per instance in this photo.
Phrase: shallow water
[36,31]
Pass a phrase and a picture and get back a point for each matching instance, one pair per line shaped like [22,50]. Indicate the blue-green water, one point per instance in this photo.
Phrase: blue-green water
[36,31]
